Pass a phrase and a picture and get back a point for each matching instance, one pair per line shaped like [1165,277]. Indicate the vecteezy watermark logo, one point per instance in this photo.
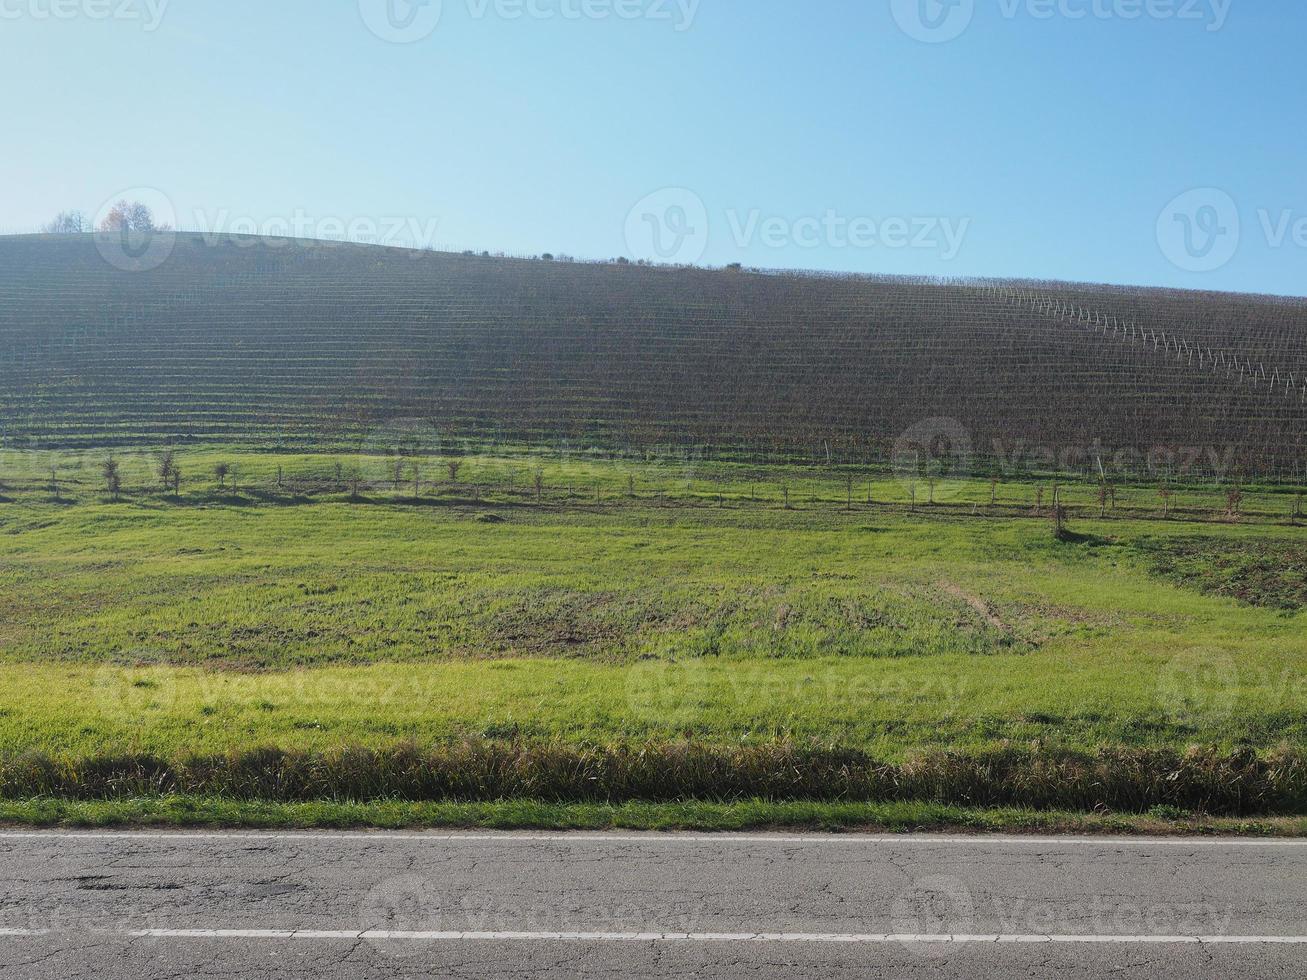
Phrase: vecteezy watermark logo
[1210,13]
[407,21]
[1199,231]
[399,454]
[136,229]
[1287,226]
[937,21]
[933,21]
[932,459]
[147,13]
[276,231]
[406,904]
[836,231]
[1203,229]
[135,694]
[673,226]
[670,226]
[935,907]
[1199,688]
[664,692]
[679,13]
[401,21]
[1017,459]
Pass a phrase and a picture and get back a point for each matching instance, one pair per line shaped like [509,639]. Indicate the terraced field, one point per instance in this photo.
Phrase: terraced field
[304,345]
[459,538]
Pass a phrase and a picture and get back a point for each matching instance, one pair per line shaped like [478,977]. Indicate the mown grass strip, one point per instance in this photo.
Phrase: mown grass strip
[213,813]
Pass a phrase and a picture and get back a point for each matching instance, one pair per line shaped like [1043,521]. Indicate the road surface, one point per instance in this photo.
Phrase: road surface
[248,905]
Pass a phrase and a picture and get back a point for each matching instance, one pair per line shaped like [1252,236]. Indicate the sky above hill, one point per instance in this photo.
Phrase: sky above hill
[1156,142]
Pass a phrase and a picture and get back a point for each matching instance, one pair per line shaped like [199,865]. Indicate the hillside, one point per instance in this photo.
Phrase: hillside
[301,344]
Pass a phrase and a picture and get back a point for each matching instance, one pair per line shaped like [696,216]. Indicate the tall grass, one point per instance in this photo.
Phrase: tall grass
[1125,780]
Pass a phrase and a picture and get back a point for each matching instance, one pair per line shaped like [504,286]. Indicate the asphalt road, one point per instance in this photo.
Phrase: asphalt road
[354,906]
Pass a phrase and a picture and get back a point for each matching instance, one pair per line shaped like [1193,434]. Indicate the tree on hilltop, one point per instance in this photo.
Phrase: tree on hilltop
[130,216]
[67,223]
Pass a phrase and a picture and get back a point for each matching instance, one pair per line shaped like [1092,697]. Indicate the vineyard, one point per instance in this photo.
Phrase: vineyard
[316,524]
[296,345]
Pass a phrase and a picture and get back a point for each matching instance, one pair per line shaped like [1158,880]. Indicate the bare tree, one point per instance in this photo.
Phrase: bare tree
[453,465]
[1165,493]
[221,471]
[539,481]
[1233,503]
[1059,521]
[130,216]
[67,223]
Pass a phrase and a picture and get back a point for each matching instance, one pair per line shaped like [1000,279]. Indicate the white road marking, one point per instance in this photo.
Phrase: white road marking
[693,937]
[777,938]
[354,935]
[659,838]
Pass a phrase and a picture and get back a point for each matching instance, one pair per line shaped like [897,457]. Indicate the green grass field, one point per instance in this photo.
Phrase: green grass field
[675,602]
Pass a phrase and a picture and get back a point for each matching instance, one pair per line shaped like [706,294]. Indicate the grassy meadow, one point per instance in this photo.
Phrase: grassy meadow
[329,602]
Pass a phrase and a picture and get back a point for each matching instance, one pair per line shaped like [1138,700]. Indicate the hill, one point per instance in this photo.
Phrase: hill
[303,344]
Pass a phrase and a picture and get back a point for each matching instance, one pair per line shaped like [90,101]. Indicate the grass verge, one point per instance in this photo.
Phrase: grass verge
[194,812]
[1110,779]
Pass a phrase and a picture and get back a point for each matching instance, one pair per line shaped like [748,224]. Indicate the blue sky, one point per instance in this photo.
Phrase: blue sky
[1034,138]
